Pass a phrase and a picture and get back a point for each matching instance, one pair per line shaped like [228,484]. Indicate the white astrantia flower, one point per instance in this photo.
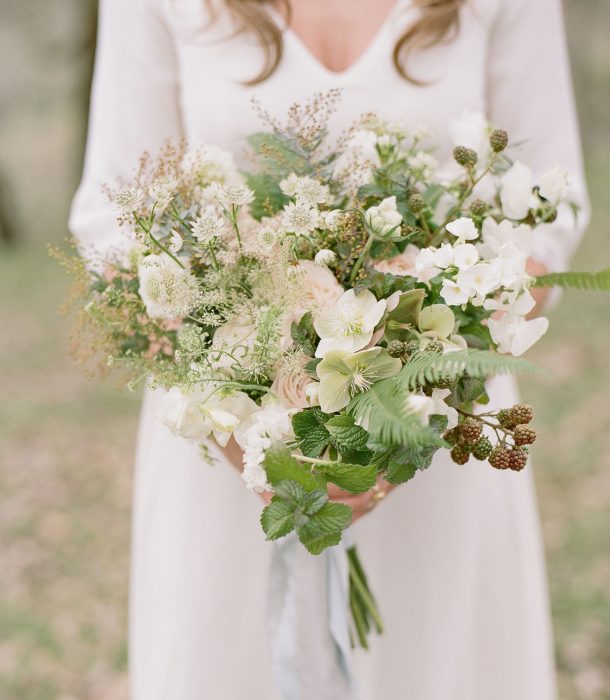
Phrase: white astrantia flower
[234,195]
[208,225]
[175,242]
[269,424]
[494,235]
[300,218]
[516,193]
[167,290]
[332,219]
[424,164]
[267,237]
[197,414]
[383,218]
[465,255]
[463,229]
[349,323]
[471,129]
[554,184]
[162,192]
[305,189]
[209,164]
[128,199]
[325,257]
[426,406]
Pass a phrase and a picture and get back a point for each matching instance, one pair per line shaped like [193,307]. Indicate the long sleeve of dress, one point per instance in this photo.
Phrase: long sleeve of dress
[134,108]
[530,95]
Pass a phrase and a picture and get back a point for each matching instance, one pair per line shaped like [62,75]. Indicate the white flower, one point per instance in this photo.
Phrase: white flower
[430,261]
[512,262]
[234,195]
[422,132]
[426,406]
[553,184]
[305,189]
[267,237]
[176,242]
[325,257]
[128,199]
[495,235]
[423,163]
[465,255]
[516,193]
[208,225]
[332,219]
[167,290]
[481,278]
[384,217]
[210,164]
[519,302]
[312,391]
[471,130]
[269,424]
[197,414]
[454,293]
[464,229]
[349,324]
[514,334]
[162,192]
[300,218]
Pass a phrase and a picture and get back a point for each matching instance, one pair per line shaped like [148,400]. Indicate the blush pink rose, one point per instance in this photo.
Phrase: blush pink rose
[402,265]
[291,389]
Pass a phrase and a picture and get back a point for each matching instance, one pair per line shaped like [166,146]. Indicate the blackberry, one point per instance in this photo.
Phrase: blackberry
[498,140]
[465,156]
[524,435]
[471,429]
[522,413]
[482,448]
[506,418]
[499,458]
[396,348]
[416,203]
[479,207]
[411,348]
[434,346]
[518,459]
[452,436]
[459,454]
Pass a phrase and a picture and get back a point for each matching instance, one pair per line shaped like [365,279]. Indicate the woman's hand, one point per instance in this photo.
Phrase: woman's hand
[540,294]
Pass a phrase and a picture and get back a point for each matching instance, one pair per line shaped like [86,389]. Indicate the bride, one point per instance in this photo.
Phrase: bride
[462,589]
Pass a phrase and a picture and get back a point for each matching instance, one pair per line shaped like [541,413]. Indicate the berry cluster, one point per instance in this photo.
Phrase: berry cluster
[513,433]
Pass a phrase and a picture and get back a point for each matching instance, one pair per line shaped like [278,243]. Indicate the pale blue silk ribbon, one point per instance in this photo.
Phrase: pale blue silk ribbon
[308,622]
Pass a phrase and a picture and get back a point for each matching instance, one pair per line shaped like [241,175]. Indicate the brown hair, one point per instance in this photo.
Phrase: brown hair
[438,20]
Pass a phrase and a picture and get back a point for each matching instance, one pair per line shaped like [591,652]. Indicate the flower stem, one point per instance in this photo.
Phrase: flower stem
[360,260]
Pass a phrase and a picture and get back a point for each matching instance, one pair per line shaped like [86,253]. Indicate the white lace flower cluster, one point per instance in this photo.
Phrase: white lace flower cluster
[301,216]
[168,290]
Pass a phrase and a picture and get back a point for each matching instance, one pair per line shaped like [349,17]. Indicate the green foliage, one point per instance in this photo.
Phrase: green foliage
[354,478]
[592,281]
[268,197]
[309,427]
[280,465]
[304,335]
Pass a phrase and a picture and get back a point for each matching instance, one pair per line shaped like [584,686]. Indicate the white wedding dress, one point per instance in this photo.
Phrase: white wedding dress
[455,556]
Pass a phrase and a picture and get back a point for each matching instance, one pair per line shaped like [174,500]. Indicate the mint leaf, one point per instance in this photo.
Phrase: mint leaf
[280,465]
[277,519]
[312,436]
[313,501]
[325,528]
[346,434]
[353,478]
[290,491]
[398,472]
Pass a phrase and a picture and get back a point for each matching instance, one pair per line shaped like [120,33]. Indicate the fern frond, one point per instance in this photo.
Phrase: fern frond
[384,412]
[595,281]
[429,367]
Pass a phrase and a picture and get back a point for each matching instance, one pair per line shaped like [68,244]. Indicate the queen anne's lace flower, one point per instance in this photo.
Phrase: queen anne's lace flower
[167,290]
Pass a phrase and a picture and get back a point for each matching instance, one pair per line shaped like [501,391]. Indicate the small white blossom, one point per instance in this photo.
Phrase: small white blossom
[208,225]
[512,332]
[305,189]
[167,290]
[495,235]
[426,406]
[482,278]
[128,199]
[384,218]
[176,242]
[430,261]
[300,218]
[325,257]
[463,229]
[554,184]
[516,193]
[332,219]
[162,192]
[234,195]
[425,164]
[465,255]
[209,164]
[267,237]
[454,293]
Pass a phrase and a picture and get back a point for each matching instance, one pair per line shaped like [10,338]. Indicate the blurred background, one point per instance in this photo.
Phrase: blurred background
[66,443]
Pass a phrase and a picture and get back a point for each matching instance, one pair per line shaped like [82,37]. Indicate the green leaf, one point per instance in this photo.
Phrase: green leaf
[324,529]
[280,465]
[398,471]
[311,367]
[469,389]
[476,335]
[304,335]
[313,501]
[268,197]
[406,314]
[290,491]
[354,478]
[346,434]
[593,281]
[277,518]
[312,436]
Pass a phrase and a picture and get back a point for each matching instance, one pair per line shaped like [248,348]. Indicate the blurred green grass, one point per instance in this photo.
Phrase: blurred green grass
[66,443]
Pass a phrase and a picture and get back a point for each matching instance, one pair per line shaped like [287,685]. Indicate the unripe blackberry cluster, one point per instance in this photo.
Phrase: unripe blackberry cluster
[435,346]
[399,349]
[479,208]
[416,203]
[503,457]
[465,156]
[524,435]
[498,140]
[467,439]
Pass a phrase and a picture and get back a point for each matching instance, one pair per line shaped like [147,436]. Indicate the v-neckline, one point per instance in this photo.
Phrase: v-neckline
[362,57]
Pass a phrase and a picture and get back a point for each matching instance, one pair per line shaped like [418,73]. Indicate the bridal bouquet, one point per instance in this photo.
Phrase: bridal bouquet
[336,310]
